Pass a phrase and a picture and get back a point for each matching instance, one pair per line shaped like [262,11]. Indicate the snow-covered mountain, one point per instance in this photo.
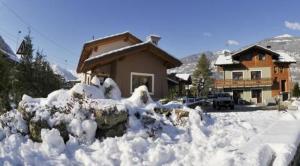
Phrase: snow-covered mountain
[289,44]
[189,62]
[6,50]
[284,43]
[66,74]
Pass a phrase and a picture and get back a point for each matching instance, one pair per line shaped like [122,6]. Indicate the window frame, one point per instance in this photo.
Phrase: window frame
[237,71]
[261,76]
[142,74]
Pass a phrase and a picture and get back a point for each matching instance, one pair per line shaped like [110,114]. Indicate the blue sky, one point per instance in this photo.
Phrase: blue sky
[60,27]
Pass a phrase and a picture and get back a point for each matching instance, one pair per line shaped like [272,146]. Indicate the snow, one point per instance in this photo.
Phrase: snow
[67,75]
[135,97]
[115,51]
[5,49]
[115,92]
[225,60]
[88,91]
[106,37]
[183,76]
[95,81]
[52,144]
[285,57]
[284,36]
[219,138]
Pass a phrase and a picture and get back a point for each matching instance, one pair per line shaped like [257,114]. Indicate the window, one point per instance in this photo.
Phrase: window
[248,57]
[255,75]
[261,56]
[138,79]
[276,69]
[281,69]
[237,75]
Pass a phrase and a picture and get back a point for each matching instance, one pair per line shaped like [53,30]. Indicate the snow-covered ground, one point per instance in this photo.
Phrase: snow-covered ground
[227,138]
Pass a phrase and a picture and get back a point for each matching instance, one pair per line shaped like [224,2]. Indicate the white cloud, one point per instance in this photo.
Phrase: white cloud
[207,34]
[292,25]
[232,43]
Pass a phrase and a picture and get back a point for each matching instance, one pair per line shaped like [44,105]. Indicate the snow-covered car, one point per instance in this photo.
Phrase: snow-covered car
[223,99]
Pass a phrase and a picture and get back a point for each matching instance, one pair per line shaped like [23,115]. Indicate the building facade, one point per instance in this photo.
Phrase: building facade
[129,61]
[255,74]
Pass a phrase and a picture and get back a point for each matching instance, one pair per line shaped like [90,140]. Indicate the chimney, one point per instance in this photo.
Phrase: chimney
[268,46]
[153,39]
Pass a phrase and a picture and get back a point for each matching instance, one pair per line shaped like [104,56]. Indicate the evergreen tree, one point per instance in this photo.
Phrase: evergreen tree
[33,75]
[296,90]
[203,72]
[5,84]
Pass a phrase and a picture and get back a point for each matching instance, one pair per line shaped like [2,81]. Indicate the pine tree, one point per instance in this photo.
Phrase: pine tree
[296,90]
[33,75]
[5,85]
[203,71]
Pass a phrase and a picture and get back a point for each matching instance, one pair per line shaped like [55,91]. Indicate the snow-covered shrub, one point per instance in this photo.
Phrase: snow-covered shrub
[111,89]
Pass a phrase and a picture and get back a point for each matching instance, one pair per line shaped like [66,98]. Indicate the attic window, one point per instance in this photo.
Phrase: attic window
[138,79]
[261,56]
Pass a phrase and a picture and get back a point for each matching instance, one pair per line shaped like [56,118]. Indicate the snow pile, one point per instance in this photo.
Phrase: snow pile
[144,132]
[53,143]
[88,91]
[111,89]
[140,97]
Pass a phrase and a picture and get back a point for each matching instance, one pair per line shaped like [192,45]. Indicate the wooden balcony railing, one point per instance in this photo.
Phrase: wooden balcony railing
[243,83]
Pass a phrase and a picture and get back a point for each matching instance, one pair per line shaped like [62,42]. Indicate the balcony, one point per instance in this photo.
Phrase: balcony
[243,83]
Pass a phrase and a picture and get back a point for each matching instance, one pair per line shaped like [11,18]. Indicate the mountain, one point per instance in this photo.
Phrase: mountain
[7,51]
[189,62]
[67,75]
[289,44]
[284,43]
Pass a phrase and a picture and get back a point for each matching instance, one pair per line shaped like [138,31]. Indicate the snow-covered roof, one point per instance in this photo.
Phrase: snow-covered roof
[285,57]
[116,50]
[10,56]
[131,47]
[254,46]
[106,37]
[183,76]
[7,51]
[225,60]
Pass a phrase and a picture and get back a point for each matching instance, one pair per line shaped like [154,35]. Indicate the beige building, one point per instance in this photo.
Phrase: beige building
[129,61]
[255,74]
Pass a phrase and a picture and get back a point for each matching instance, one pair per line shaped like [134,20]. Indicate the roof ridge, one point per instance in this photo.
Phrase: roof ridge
[109,36]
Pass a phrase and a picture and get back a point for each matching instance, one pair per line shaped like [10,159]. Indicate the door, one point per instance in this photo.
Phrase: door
[283,85]
[257,93]
[237,96]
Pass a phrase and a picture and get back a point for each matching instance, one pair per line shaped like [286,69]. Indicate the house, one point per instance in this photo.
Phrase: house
[255,74]
[129,61]
[179,83]
[7,52]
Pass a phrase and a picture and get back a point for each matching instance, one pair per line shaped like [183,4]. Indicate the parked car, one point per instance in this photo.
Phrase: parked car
[223,99]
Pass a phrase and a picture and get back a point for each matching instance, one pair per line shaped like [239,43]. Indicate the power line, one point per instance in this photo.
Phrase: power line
[35,29]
